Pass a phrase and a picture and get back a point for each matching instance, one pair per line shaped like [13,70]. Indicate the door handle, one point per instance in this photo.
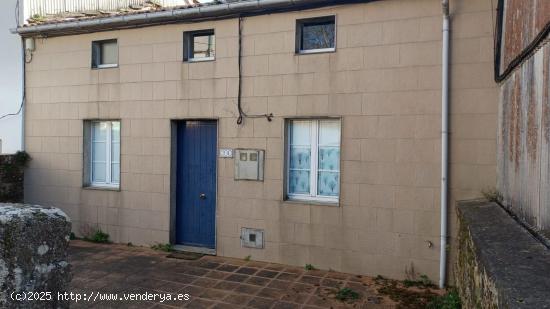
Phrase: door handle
[202,196]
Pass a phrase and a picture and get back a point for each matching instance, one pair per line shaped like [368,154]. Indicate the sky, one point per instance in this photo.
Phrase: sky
[10,79]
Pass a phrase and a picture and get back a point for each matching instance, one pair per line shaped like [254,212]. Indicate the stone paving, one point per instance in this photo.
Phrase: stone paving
[211,282]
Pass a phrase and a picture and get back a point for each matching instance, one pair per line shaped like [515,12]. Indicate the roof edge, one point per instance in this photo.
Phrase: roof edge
[177,15]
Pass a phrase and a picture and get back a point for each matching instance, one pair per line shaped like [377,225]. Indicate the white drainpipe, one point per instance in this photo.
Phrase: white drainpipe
[23,96]
[444,142]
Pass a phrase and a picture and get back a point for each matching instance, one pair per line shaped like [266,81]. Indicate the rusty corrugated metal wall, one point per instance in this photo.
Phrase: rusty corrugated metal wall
[523,21]
[524,114]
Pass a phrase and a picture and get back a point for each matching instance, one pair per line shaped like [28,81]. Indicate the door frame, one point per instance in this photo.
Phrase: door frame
[173,182]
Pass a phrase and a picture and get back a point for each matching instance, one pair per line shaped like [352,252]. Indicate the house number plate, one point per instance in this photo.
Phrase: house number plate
[226,153]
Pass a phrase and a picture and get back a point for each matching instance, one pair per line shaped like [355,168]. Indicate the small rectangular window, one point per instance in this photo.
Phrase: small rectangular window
[199,45]
[315,35]
[103,157]
[104,54]
[313,159]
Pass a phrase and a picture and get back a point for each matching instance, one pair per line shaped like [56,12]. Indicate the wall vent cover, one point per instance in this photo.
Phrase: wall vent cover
[252,238]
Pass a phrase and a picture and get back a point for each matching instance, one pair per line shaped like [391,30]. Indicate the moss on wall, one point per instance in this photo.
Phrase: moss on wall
[475,287]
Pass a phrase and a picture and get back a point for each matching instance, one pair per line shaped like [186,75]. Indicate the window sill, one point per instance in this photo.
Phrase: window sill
[191,60]
[311,202]
[101,188]
[316,51]
[105,66]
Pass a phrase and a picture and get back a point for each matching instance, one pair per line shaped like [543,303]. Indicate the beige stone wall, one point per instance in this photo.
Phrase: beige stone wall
[383,81]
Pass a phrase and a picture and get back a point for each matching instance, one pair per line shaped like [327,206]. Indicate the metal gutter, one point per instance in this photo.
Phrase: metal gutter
[178,15]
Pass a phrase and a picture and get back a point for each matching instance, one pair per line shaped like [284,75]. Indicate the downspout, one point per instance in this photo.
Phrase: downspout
[444,142]
[23,94]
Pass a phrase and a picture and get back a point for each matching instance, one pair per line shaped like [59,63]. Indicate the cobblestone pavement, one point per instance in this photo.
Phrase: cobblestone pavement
[211,282]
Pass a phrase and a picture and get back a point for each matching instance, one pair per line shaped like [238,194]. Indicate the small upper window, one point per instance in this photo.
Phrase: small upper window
[104,54]
[315,35]
[199,45]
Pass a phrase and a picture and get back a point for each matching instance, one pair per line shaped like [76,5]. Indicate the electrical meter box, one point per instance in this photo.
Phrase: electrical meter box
[252,238]
[249,164]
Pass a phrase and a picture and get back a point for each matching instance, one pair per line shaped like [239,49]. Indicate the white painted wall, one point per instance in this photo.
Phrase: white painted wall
[10,79]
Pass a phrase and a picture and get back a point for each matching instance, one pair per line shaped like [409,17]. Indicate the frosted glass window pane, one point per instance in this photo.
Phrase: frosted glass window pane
[115,129]
[300,133]
[98,172]
[329,158]
[328,183]
[329,133]
[320,138]
[115,152]
[105,152]
[298,182]
[109,53]
[300,158]
[99,151]
[115,173]
[99,131]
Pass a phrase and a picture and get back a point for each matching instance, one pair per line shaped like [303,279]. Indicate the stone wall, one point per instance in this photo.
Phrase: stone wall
[477,290]
[11,177]
[33,256]
[499,264]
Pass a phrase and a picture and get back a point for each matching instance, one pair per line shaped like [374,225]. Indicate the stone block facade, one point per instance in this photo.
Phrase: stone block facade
[383,82]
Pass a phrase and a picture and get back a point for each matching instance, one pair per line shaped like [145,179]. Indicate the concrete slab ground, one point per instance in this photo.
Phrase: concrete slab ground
[101,271]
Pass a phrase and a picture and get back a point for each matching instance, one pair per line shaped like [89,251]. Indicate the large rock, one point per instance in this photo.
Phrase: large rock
[33,256]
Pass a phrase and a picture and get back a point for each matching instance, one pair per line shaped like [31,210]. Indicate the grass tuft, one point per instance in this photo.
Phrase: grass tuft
[98,237]
[451,300]
[162,247]
[492,195]
[346,294]
[310,267]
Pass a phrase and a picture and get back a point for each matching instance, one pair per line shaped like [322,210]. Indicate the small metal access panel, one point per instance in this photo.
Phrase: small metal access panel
[249,164]
[252,238]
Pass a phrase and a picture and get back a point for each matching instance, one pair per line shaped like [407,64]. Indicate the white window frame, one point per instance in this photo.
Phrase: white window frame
[317,51]
[299,28]
[314,164]
[109,160]
[108,65]
[200,59]
[189,52]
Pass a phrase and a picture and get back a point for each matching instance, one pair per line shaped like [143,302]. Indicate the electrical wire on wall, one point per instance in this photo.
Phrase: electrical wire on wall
[242,114]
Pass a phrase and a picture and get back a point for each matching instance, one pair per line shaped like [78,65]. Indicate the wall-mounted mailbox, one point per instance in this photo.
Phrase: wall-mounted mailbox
[249,164]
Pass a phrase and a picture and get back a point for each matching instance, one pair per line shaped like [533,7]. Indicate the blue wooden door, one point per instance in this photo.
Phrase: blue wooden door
[196,184]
